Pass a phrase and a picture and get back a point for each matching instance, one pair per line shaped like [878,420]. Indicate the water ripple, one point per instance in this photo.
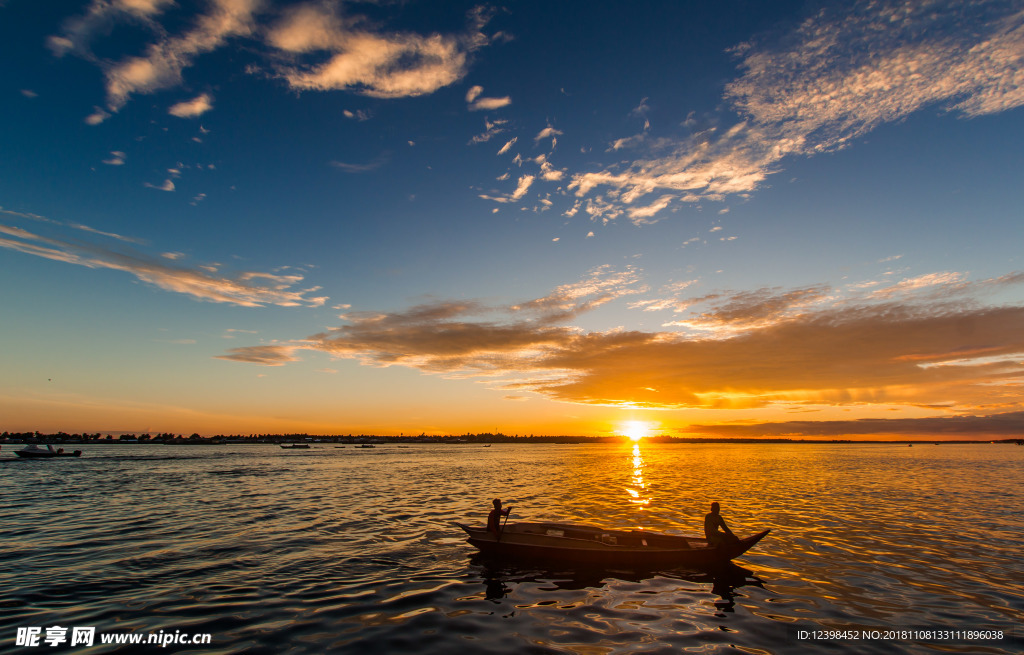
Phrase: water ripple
[350,551]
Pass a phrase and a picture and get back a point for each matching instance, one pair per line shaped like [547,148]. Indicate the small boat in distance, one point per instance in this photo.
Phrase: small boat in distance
[34,451]
[304,446]
[366,445]
[588,545]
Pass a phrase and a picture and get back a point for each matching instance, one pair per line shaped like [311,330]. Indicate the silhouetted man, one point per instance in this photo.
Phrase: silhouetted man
[494,518]
[712,522]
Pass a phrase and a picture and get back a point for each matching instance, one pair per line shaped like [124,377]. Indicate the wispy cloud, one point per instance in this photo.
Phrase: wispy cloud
[96,117]
[168,185]
[493,129]
[522,188]
[845,70]
[490,103]
[248,289]
[78,32]
[732,312]
[456,337]
[990,426]
[192,108]
[642,214]
[477,103]
[548,133]
[772,347]
[64,225]
[315,47]
[161,66]
[377,162]
[373,63]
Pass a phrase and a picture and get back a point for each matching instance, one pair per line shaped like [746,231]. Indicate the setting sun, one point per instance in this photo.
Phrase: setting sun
[636,430]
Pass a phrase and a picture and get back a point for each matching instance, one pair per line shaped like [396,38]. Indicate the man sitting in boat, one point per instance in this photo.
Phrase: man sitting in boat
[494,518]
[712,522]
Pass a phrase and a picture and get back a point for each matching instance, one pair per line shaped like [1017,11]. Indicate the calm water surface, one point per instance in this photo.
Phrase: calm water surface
[350,550]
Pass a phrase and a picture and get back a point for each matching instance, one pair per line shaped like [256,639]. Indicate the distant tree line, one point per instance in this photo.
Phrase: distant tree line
[473,438]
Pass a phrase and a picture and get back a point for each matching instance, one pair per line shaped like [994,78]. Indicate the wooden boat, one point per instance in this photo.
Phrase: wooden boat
[297,445]
[587,545]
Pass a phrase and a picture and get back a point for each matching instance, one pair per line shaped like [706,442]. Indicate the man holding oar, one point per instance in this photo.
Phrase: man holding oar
[494,518]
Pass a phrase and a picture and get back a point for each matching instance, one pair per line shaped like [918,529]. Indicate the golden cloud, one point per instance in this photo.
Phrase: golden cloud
[754,349]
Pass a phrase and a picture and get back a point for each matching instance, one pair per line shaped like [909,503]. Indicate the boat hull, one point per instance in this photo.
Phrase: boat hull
[46,455]
[589,546]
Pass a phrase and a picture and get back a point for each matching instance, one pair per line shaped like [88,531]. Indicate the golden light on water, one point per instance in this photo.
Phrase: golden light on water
[637,489]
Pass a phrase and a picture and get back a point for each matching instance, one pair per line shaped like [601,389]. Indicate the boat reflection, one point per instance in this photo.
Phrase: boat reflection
[501,576]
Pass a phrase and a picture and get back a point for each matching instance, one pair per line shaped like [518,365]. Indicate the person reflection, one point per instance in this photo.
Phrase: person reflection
[712,522]
[494,518]
[724,585]
[495,589]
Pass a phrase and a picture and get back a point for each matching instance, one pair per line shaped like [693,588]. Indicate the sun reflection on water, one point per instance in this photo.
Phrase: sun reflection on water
[638,489]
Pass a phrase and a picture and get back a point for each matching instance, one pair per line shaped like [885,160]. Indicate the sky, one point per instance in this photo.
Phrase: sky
[728,218]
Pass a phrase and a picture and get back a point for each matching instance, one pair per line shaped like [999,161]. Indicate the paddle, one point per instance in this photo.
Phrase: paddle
[502,528]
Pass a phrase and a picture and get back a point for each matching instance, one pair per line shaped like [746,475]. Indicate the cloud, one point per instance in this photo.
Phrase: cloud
[547,132]
[99,17]
[476,103]
[372,63]
[640,214]
[522,187]
[493,129]
[379,161]
[315,48]
[61,225]
[162,65]
[767,348]
[1004,425]
[269,355]
[248,289]
[547,171]
[944,279]
[490,103]
[192,108]
[116,158]
[508,145]
[96,117]
[449,336]
[841,73]
[741,311]
[168,185]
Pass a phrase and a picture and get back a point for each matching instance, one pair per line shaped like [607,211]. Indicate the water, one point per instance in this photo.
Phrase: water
[346,550]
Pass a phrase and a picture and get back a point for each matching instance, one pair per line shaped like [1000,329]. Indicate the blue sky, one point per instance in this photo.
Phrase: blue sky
[242,216]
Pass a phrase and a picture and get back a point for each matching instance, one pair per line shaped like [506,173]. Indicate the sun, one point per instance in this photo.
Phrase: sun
[636,430]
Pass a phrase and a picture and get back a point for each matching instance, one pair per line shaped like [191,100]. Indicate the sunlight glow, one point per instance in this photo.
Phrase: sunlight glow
[636,430]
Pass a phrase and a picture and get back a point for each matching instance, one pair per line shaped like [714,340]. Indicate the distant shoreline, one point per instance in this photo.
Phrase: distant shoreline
[486,438]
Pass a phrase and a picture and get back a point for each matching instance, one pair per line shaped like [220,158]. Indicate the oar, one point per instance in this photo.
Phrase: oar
[502,528]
